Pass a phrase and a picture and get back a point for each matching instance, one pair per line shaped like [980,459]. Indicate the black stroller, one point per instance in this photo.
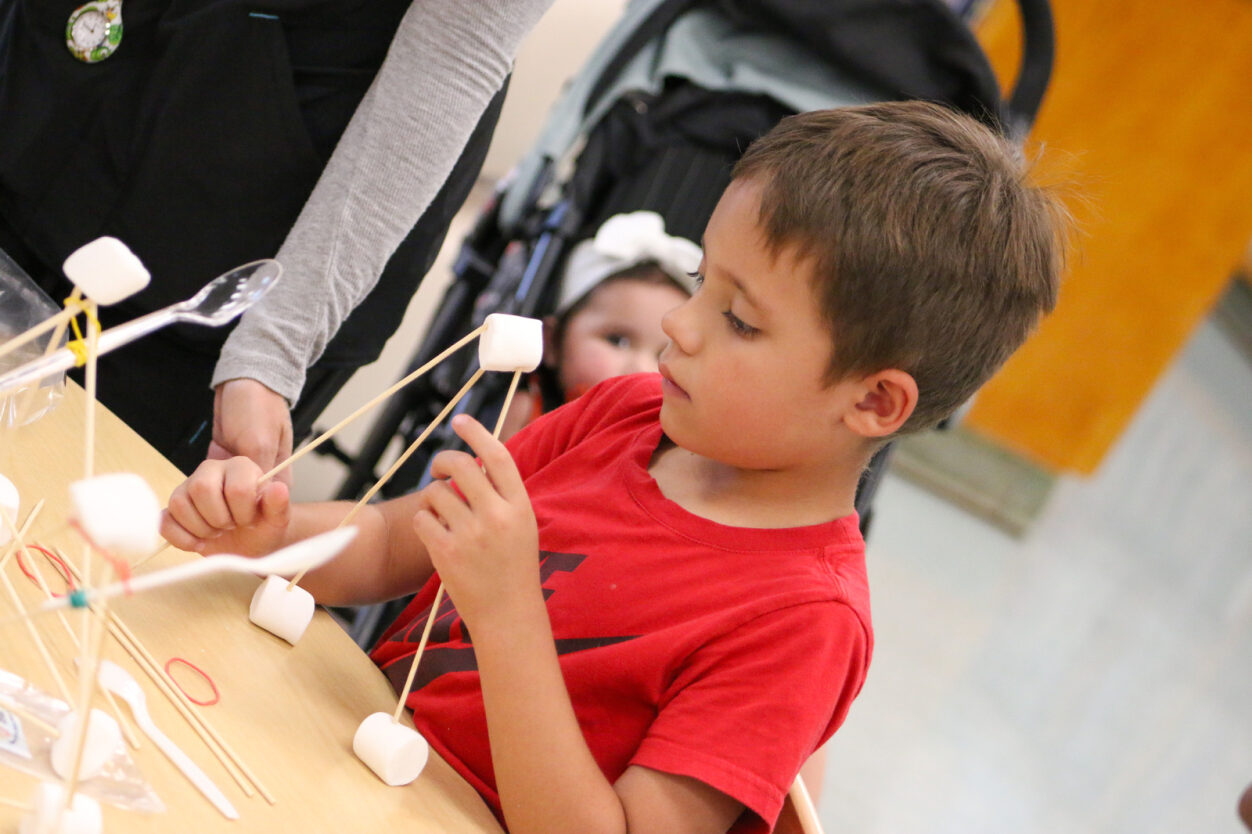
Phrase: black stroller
[655,120]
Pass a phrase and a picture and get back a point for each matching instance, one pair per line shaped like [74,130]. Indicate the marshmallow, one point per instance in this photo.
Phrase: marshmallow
[81,817]
[106,271]
[118,512]
[394,752]
[510,343]
[104,736]
[9,505]
[281,611]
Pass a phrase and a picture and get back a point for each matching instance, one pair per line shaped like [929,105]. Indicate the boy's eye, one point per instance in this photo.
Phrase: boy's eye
[739,325]
[697,277]
[617,340]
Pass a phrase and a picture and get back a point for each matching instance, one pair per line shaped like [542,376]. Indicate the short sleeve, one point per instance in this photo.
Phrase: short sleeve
[748,708]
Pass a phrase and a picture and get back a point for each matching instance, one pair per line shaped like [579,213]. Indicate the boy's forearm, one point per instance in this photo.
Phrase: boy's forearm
[381,563]
[546,776]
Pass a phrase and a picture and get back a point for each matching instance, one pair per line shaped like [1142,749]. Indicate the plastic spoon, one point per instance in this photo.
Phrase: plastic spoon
[219,301]
[302,556]
[117,680]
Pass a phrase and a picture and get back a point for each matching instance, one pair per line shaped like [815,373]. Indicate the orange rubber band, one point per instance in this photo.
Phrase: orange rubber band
[217,696]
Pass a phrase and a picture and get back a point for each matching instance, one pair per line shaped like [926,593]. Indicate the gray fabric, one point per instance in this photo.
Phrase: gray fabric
[703,47]
[447,60]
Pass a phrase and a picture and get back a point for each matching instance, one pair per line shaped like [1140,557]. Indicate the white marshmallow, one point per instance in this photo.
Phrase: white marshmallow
[282,612]
[106,270]
[81,817]
[10,503]
[104,736]
[510,343]
[396,753]
[119,512]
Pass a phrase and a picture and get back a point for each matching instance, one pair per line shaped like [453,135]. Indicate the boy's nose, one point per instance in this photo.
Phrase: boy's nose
[676,324]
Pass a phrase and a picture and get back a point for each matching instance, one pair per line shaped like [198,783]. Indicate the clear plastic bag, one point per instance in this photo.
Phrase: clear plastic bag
[22,306]
[26,745]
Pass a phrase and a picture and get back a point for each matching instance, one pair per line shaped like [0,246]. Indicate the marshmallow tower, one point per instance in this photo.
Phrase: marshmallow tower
[510,343]
[81,817]
[118,512]
[281,608]
[10,502]
[396,753]
[104,736]
[106,271]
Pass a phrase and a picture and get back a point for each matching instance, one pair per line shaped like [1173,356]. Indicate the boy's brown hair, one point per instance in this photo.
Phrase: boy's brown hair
[932,252]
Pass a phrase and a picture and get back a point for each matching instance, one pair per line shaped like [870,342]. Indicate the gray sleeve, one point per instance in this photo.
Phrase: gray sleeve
[446,61]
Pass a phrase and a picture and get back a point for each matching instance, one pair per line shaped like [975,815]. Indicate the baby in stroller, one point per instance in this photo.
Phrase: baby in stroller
[606,322]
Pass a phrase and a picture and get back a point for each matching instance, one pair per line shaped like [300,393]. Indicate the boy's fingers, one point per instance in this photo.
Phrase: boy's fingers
[205,491]
[275,503]
[176,534]
[183,512]
[441,499]
[495,457]
[239,487]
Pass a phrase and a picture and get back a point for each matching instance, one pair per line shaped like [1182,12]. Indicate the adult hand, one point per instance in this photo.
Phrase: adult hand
[251,420]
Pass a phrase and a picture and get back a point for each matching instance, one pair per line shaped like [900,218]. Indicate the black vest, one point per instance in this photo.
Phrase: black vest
[196,143]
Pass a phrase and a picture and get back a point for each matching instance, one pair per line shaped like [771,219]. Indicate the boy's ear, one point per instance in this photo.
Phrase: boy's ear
[550,358]
[886,401]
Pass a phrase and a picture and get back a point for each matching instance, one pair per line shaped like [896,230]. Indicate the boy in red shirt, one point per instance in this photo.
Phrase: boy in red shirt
[658,600]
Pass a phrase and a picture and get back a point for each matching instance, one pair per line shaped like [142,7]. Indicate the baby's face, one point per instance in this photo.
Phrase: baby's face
[617,332]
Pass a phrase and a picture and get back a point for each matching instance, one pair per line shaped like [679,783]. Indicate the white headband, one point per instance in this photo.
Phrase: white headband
[623,241]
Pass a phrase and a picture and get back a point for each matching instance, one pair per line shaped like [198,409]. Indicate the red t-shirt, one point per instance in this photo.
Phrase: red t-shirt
[722,653]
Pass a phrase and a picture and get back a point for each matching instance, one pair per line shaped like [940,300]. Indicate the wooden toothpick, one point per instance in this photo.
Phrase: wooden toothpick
[365,499]
[434,606]
[329,433]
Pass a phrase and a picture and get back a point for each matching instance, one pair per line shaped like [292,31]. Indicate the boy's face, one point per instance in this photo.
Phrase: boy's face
[616,332]
[744,370]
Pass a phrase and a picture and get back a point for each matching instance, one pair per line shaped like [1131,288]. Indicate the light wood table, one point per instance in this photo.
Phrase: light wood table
[288,711]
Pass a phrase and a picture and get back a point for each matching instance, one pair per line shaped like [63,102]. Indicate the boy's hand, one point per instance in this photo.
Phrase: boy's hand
[222,508]
[485,545]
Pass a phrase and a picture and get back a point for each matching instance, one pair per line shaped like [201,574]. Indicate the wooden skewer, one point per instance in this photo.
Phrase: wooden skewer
[14,803]
[35,637]
[63,319]
[22,712]
[230,760]
[18,534]
[326,435]
[60,318]
[118,715]
[434,606]
[365,499]
[87,673]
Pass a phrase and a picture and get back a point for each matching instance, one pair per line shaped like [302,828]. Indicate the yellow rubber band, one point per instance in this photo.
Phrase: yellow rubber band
[78,346]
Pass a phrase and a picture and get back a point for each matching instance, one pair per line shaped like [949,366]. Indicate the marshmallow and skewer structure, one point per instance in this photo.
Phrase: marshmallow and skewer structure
[217,303]
[505,343]
[106,271]
[104,737]
[118,512]
[510,343]
[397,754]
[306,554]
[49,814]
[282,608]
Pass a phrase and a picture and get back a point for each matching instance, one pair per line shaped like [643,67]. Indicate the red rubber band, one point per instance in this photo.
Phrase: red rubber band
[216,695]
[57,562]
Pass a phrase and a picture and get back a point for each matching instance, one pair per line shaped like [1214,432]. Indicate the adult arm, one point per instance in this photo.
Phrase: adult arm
[447,59]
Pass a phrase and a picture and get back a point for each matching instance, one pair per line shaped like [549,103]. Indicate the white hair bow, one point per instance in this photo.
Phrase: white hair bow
[640,236]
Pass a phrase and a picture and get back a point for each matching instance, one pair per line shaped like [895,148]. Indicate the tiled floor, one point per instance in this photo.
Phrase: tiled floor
[1094,677]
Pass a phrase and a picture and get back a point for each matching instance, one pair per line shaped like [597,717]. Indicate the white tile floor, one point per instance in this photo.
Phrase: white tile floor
[1094,677]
